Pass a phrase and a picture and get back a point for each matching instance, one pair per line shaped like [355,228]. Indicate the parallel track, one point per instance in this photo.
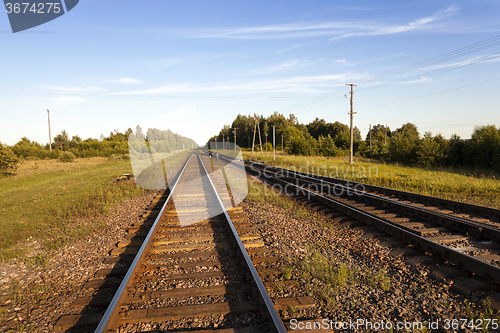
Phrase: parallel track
[447,234]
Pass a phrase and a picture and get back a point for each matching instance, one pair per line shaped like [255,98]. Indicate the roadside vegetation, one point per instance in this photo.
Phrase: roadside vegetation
[51,202]
[475,186]
[116,144]
[50,194]
[404,145]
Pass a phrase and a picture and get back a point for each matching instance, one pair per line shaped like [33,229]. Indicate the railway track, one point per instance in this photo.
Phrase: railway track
[214,278]
[463,240]
[190,265]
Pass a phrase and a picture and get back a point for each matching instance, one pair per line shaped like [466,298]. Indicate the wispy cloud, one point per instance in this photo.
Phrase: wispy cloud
[291,30]
[413,25]
[297,84]
[285,66]
[74,89]
[332,30]
[127,80]
[69,100]
[344,61]
[422,79]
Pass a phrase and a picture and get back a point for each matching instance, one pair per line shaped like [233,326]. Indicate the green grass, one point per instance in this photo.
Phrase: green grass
[473,186]
[44,200]
[378,279]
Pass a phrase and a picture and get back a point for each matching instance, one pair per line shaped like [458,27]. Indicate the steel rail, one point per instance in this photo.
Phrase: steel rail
[278,324]
[109,316]
[459,224]
[472,264]
[411,196]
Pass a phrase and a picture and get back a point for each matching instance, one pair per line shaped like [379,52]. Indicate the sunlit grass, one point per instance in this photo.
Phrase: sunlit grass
[466,185]
[44,198]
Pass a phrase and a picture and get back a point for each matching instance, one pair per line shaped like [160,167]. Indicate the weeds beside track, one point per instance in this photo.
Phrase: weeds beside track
[53,202]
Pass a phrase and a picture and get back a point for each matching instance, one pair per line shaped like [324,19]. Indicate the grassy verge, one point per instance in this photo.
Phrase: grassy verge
[46,200]
[466,185]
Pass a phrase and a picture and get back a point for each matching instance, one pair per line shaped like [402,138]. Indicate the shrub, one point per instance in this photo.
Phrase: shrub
[8,160]
[67,156]
[32,158]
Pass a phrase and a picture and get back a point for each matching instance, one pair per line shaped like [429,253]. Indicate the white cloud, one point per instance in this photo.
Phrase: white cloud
[65,100]
[422,79]
[333,30]
[74,89]
[287,65]
[127,80]
[413,25]
[297,84]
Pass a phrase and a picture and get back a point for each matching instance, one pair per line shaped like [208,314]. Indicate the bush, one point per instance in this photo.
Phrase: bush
[8,160]
[32,158]
[119,156]
[67,156]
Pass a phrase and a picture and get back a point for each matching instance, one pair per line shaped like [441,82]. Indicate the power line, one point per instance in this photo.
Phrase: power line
[432,94]
[325,98]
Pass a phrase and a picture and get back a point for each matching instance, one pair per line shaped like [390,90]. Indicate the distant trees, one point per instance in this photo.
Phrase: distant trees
[403,145]
[315,138]
[115,144]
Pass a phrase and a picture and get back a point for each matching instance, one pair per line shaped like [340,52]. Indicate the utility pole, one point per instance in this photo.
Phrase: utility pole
[282,151]
[254,129]
[266,141]
[370,140]
[274,143]
[223,143]
[50,137]
[234,138]
[385,139]
[260,138]
[352,114]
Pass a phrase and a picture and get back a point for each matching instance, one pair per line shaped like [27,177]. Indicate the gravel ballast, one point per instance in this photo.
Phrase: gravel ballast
[367,282]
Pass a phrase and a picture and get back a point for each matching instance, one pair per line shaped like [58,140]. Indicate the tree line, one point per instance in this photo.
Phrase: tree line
[403,145]
[115,145]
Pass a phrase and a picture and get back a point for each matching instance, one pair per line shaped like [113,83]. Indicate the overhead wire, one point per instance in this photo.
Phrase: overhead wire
[323,99]
[431,94]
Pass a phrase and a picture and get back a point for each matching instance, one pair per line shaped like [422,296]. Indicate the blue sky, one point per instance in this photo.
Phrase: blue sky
[192,66]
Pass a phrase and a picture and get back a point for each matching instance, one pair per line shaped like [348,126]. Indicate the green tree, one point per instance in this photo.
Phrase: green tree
[8,160]
[326,146]
[483,149]
[456,154]
[403,144]
[26,147]
[431,150]
[61,141]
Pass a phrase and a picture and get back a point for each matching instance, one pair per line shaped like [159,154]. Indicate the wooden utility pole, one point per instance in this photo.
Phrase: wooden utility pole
[254,129]
[266,141]
[282,149]
[234,138]
[385,139]
[260,138]
[223,143]
[370,140]
[352,114]
[50,137]
[274,143]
